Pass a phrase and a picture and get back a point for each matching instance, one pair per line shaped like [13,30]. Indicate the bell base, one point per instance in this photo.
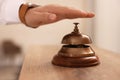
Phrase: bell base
[75,62]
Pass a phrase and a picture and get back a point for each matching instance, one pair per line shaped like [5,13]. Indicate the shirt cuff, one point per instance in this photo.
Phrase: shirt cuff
[11,11]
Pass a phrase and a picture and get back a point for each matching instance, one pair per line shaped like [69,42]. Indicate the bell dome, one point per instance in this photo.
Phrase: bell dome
[76,38]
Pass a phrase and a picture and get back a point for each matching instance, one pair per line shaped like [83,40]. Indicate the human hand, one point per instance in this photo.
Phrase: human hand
[52,13]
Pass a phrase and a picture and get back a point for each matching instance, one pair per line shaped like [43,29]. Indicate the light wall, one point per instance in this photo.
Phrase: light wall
[107,24]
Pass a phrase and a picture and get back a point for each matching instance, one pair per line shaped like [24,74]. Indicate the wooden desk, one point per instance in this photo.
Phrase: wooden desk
[37,66]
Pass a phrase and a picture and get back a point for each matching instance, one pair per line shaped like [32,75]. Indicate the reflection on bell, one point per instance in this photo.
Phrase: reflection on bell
[75,52]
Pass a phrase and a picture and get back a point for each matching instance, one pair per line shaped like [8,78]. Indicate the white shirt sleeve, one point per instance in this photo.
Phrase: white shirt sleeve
[9,11]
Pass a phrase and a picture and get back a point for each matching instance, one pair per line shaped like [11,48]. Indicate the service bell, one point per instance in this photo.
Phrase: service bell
[76,52]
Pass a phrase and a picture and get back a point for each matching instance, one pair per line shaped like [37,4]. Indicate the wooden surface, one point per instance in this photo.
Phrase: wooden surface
[37,66]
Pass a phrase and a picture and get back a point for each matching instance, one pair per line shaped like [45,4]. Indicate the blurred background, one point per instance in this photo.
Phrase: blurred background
[104,29]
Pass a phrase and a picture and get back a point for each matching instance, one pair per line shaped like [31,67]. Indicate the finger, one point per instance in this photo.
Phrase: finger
[72,13]
[66,12]
[75,15]
[90,14]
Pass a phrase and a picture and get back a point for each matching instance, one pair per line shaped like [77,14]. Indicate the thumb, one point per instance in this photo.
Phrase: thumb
[36,19]
[45,18]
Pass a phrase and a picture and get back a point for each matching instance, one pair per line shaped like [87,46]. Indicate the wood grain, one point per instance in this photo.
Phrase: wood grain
[37,66]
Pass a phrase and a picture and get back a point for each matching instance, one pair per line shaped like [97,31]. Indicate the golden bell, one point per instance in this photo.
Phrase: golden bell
[75,52]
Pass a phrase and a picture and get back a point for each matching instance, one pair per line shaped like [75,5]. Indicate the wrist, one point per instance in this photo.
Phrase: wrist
[23,10]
